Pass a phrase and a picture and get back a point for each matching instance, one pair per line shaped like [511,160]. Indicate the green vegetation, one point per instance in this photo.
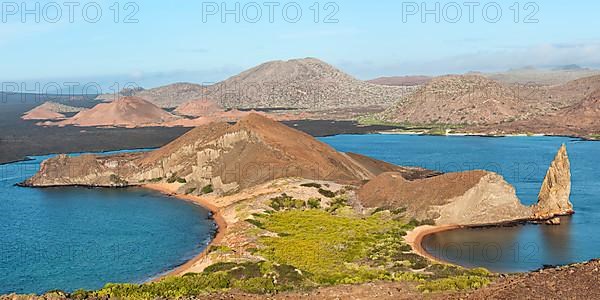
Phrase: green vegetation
[594,136]
[220,248]
[252,277]
[314,203]
[207,189]
[456,283]
[337,203]
[326,193]
[118,180]
[429,129]
[175,178]
[311,184]
[190,190]
[285,202]
[332,248]
[155,180]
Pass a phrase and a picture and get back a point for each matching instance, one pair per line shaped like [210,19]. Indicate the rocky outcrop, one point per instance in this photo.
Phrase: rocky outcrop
[473,197]
[553,199]
[229,157]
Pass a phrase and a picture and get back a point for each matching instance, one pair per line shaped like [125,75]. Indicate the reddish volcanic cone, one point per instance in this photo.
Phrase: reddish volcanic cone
[127,112]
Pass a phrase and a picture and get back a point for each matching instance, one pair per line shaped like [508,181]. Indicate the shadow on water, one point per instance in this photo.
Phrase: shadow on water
[557,240]
[504,249]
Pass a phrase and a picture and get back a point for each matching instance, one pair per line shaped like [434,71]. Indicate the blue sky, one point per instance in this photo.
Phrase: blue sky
[171,41]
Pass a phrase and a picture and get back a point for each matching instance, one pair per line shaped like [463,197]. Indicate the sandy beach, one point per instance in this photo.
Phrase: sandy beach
[196,263]
[415,239]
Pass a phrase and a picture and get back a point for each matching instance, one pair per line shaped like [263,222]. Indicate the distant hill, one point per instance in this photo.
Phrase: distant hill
[577,112]
[575,91]
[462,99]
[556,76]
[572,67]
[401,80]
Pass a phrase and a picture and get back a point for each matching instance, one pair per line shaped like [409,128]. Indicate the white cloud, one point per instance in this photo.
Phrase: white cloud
[585,53]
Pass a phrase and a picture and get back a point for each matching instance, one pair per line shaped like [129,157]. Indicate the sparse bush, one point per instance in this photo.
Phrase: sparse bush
[338,202]
[311,184]
[326,193]
[284,202]
[220,248]
[255,223]
[456,283]
[314,203]
[118,180]
[207,189]
[154,180]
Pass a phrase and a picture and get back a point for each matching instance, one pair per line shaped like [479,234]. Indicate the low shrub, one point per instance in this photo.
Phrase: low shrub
[207,189]
[337,203]
[255,223]
[311,184]
[154,180]
[326,193]
[118,180]
[314,203]
[285,202]
[455,283]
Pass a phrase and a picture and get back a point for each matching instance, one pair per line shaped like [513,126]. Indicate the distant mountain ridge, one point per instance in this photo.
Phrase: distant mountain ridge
[401,80]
